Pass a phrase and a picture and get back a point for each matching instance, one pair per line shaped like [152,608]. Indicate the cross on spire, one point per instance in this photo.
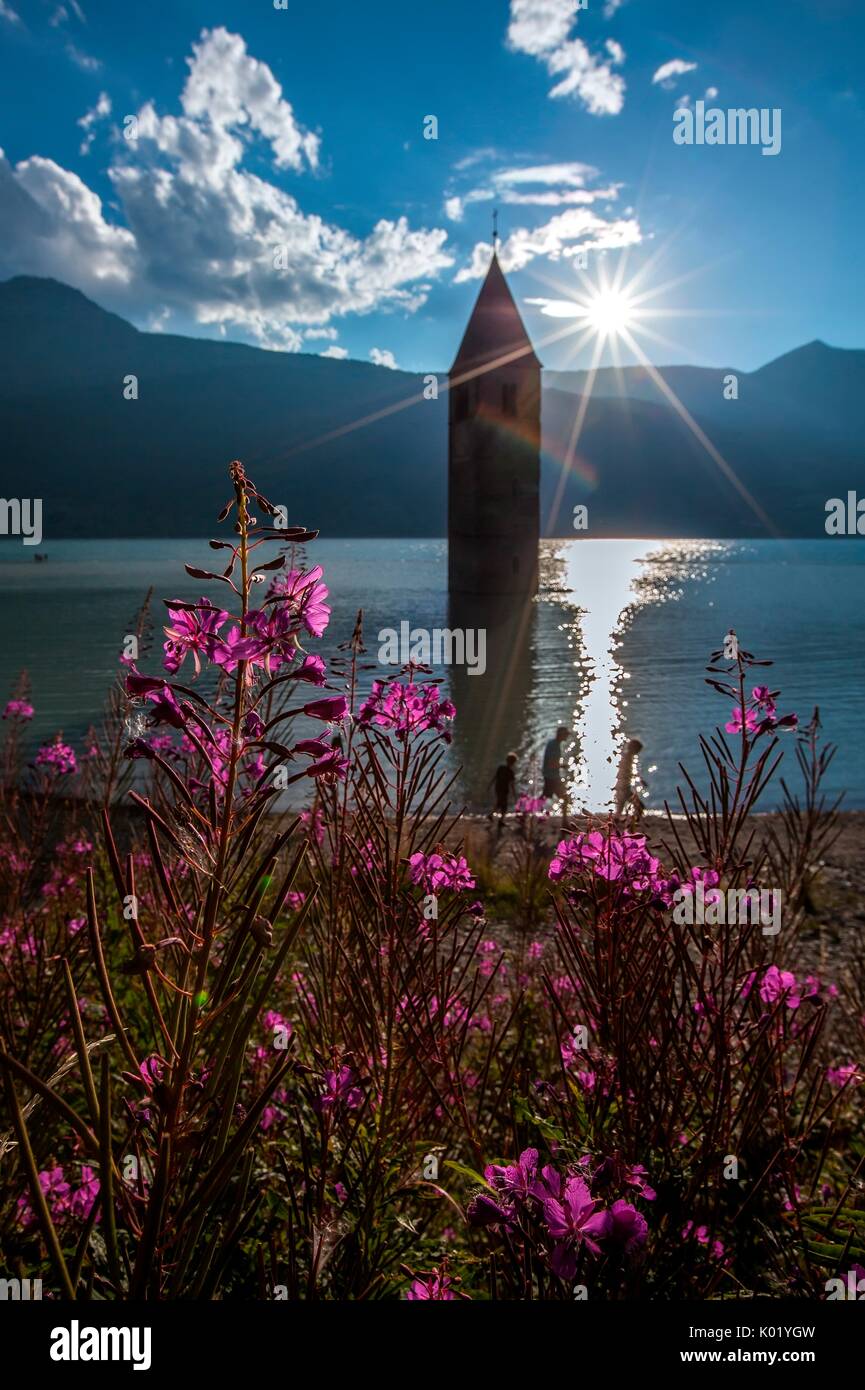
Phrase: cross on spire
[495,230]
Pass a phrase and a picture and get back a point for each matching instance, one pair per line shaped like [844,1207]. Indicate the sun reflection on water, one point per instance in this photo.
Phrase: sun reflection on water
[602,585]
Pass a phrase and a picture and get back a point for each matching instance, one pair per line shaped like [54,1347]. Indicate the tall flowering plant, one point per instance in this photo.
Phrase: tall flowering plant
[202,911]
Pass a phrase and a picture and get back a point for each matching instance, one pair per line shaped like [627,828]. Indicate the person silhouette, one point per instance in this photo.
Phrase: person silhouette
[627,781]
[504,782]
[552,766]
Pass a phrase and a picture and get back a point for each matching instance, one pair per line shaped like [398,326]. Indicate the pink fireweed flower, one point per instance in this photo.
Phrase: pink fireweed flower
[435,1285]
[305,596]
[57,756]
[313,747]
[56,1191]
[437,872]
[637,1177]
[617,858]
[735,724]
[332,708]
[333,767]
[407,708]
[843,1076]
[340,1091]
[152,1070]
[531,806]
[577,1219]
[780,984]
[229,651]
[314,821]
[764,699]
[627,1228]
[518,1178]
[277,628]
[311,669]
[191,632]
[18,709]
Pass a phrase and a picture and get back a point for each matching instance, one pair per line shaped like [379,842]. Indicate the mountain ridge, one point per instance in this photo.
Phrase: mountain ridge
[335,441]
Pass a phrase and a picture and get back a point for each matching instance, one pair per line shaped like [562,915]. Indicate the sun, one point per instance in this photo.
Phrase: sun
[609,312]
[603,311]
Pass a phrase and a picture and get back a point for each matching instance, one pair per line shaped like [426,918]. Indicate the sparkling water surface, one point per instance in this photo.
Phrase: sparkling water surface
[615,645]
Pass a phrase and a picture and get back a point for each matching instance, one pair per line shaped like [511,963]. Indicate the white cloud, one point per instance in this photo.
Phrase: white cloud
[586,77]
[454,209]
[572,174]
[204,236]
[611,6]
[711,93]
[667,73]
[319,333]
[339,353]
[61,14]
[90,118]
[7,13]
[84,61]
[561,185]
[383,357]
[554,199]
[577,229]
[53,224]
[541,28]
[233,90]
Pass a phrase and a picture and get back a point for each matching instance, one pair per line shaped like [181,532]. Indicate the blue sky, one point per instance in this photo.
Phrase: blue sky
[281,191]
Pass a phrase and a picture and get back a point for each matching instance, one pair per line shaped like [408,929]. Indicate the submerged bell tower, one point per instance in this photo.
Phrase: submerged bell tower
[494,449]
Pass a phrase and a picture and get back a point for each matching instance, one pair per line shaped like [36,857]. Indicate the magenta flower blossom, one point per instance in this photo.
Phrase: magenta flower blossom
[18,709]
[57,756]
[637,1177]
[311,669]
[620,859]
[152,1070]
[56,1191]
[519,1178]
[191,632]
[627,1228]
[435,1285]
[738,717]
[166,709]
[332,708]
[574,1221]
[437,872]
[780,985]
[231,650]
[407,708]
[333,767]
[340,1091]
[313,747]
[305,596]
[843,1076]
[484,1210]
[763,698]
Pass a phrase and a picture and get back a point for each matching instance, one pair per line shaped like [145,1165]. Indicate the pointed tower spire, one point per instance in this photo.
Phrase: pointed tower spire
[495,331]
[494,436]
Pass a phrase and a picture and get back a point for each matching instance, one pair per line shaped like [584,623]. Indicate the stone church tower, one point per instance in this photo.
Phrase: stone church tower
[494,441]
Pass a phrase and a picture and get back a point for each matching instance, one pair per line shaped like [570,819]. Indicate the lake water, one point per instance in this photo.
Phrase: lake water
[614,646]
